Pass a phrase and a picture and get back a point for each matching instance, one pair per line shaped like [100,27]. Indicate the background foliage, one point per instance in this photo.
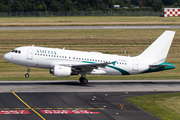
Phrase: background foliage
[82,5]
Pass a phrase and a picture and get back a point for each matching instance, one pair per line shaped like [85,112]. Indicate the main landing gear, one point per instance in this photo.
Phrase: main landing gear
[83,80]
[27,74]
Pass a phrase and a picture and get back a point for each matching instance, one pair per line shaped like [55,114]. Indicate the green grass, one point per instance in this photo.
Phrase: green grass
[56,34]
[88,20]
[165,106]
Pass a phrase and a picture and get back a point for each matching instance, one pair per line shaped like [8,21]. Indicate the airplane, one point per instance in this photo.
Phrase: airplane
[64,63]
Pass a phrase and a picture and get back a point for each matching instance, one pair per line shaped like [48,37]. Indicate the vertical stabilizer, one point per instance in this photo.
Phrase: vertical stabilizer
[158,50]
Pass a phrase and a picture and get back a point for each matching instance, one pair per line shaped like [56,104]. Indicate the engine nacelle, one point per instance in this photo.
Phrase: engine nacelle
[61,71]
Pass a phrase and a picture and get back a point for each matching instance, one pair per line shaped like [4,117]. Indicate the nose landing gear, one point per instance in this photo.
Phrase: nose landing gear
[27,74]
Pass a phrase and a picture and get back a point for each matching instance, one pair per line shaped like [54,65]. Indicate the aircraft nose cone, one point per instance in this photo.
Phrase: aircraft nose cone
[7,57]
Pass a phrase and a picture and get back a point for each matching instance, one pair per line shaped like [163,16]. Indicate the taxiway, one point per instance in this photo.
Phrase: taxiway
[90,27]
[69,100]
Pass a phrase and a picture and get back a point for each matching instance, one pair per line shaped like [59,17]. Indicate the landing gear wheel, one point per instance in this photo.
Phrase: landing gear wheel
[81,79]
[27,75]
[85,81]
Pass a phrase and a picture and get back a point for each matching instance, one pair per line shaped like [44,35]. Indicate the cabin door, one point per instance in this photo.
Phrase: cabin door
[30,54]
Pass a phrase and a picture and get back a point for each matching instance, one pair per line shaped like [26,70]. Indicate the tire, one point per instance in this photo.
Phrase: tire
[85,81]
[81,79]
[27,75]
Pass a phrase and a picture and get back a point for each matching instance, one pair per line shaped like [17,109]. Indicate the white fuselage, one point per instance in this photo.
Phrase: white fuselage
[42,57]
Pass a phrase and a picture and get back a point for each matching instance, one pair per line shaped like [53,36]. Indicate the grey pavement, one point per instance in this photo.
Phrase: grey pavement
[92,86]
[91,27]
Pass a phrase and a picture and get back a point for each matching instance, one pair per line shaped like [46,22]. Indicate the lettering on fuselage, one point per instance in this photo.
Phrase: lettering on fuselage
[46,52]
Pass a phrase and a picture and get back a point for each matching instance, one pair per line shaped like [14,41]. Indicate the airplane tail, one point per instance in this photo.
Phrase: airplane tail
[158,50]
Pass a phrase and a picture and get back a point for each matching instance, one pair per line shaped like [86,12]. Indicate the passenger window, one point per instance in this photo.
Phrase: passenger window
[19,51]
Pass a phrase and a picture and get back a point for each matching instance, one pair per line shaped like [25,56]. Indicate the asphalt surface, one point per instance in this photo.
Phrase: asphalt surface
[35,96]
[92,86]
[108,106]
[90,27]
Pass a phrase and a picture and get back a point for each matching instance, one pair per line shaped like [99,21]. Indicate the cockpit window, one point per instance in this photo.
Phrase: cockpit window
[16,51]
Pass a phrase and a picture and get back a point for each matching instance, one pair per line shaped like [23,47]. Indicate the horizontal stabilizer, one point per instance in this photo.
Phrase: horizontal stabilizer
[163,65]
[158,65]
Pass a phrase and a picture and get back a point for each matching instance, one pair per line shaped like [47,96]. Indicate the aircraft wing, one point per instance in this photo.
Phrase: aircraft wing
[88,66]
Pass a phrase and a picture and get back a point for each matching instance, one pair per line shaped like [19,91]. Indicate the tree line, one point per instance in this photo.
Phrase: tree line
[81,5]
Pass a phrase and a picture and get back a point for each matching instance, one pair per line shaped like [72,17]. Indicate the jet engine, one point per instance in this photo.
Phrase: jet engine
[60,71]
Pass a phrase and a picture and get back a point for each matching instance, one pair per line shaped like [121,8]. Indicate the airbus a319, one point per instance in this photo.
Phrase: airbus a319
[64,63]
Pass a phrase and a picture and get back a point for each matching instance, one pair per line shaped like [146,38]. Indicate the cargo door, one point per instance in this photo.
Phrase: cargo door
[135,65]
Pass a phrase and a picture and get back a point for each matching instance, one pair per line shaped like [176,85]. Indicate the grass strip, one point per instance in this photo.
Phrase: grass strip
[165,106]
[88,20]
